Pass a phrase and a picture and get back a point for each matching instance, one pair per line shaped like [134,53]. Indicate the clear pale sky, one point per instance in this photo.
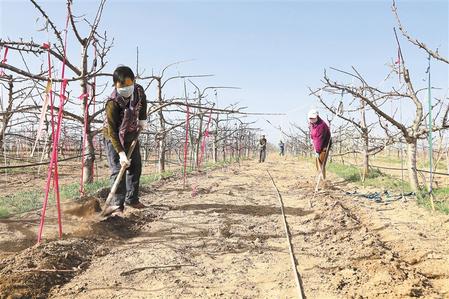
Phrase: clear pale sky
[273,50]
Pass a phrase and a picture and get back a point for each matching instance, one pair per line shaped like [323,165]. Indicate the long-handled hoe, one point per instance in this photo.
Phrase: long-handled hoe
[318,179]
[320,173]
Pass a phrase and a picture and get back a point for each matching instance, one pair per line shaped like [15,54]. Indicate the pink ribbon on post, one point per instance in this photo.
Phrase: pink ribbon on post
[83,96]
[53,167]
[4,60]
[205,135]
[5,55]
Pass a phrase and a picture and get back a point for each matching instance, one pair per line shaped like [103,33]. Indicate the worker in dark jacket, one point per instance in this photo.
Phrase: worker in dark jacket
[321,137]
[125,116]
[281,148]
[262,149]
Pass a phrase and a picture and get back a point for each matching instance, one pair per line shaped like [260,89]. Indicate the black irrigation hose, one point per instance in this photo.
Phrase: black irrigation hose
[420,170]
[40,163]
[301,294]
[395,168]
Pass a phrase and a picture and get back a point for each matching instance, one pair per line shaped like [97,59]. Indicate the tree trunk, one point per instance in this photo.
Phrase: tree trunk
[162,134]
[8,113]
[89,151]
[161,158]
[413,174]
[224,149]
[199,139]
[447,165]
[365,169]
[247,147]
[215,142]
[2,135]
[215,147]
[365,140]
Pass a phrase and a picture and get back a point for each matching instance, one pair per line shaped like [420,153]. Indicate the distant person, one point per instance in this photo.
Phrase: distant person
[125,113]
[281,148]
[321,138]
[262,149]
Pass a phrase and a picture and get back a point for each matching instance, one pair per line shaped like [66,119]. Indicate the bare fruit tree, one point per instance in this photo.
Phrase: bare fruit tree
[434,53]
[92,56]
[355,113]
[16,97]
[374,98]
[163,127]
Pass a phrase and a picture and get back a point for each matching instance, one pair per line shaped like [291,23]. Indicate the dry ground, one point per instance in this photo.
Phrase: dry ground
[223,236]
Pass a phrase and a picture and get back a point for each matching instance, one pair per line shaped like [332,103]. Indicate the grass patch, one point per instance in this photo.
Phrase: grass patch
[441,166]
[442,206]
[395,161]
[347,172]
[21,170]
[3,213]
[375,177]
[151,178]
[387,159]
[20,202]
[378,179]
[72,190]
[212,165]
[441,203]
[442,192]
[441,199]
[24,201]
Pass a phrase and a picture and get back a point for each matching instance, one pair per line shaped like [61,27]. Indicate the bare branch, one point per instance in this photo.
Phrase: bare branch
[414,41]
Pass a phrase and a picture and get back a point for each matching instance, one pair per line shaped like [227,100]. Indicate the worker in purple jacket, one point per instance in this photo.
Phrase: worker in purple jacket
[321,137]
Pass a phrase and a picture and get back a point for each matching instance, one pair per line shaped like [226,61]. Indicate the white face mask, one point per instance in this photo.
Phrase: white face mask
[313,120]
[126,92]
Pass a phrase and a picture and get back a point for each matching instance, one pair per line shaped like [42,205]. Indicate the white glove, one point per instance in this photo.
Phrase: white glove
[143,124]
[317,155]
[124,159]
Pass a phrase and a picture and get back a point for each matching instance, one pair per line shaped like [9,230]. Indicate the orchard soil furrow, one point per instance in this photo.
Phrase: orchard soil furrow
[222,235]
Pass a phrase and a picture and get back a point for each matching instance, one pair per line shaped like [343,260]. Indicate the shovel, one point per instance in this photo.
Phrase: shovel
[108,209]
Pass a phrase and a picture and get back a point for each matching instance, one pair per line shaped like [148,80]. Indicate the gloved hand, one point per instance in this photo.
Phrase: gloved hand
[142,124]
[317,155]
[124,159]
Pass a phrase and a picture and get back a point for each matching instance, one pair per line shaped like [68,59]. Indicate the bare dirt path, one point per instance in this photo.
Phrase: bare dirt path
[228,241]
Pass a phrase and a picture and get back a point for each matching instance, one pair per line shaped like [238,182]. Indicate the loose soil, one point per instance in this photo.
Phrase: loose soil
[222,236]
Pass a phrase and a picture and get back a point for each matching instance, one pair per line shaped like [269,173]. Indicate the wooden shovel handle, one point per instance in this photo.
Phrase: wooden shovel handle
[122,171]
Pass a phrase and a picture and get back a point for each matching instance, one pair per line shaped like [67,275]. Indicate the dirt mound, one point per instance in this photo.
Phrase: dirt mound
[355,262]
[87,208]
[116,227]
[34,271]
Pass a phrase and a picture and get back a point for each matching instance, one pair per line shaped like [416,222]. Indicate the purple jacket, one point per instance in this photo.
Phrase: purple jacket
[129,112]
[320,134]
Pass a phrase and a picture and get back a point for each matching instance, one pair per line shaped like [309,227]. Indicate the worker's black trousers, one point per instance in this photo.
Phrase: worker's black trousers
[262,155]
[128,189]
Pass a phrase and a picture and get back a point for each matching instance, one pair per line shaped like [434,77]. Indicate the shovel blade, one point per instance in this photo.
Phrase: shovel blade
[108,210]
